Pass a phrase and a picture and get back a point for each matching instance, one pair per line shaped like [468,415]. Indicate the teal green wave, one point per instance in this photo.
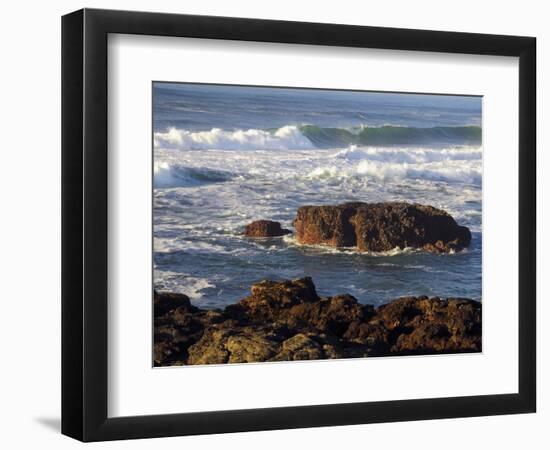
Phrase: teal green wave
[391,135]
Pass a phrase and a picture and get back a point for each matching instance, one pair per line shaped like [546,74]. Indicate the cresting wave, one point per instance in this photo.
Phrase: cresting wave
[167,175]
[391,135]
[288,137]
[311,137]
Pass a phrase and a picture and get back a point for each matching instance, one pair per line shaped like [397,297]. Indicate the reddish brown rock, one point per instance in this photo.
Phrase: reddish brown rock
[287,321]
[270,299]
[380,227]
[422,325]
[265,228]
[295,304]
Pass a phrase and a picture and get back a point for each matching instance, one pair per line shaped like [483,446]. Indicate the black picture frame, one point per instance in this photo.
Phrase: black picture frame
[84,224]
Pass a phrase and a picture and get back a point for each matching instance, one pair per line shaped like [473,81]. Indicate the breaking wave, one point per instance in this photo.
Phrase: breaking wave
[452,165]
[450,172]
[293,137]
[288,137]
[409,155]
[170,175]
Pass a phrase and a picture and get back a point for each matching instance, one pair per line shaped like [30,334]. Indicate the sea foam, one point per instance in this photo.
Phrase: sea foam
[452,165]
[310,136]
[288,137]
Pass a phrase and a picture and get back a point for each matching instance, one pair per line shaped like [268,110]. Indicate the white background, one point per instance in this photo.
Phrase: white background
[30,105]
[135,389]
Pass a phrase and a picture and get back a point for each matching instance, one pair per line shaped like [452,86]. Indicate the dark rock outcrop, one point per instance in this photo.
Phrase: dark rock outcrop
[287,320]
[265,228]
[381,227]
[168,301]
[422,325]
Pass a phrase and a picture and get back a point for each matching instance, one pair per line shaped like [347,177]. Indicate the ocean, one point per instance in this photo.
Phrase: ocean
[225,156]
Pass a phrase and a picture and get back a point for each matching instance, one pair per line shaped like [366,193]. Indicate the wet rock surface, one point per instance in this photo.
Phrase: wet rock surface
[265,228]
[288,321]
[380,227]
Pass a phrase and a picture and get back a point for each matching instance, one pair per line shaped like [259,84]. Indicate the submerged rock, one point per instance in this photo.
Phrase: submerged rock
[265,228]
[287,321]
[381,227]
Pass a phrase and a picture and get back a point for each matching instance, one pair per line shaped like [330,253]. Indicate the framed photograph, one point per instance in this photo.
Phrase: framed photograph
[273,224]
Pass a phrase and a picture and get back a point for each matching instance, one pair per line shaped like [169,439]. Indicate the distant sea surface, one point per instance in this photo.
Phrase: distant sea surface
[227,155]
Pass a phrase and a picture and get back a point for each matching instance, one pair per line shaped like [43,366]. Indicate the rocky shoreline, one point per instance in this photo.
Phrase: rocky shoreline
[288,320]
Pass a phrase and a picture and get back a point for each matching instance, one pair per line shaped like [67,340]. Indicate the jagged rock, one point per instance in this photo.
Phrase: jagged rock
[431,325]
[380,227]
[268,299]
[287,320]
[300,347]
[422,325]
[297,305]
[164,302]
[227,342]
[210,349]
[265,228]
[328,225]
[250,348]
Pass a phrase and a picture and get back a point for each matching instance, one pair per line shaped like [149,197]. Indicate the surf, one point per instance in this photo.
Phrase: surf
[172,175]
[293,137]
